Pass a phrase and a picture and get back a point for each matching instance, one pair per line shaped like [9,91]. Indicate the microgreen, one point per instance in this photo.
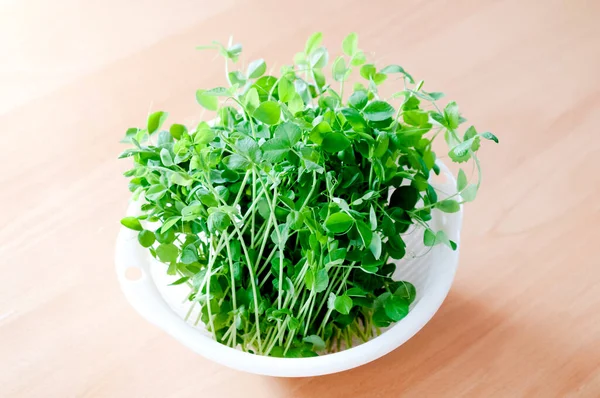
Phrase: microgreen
[276,213]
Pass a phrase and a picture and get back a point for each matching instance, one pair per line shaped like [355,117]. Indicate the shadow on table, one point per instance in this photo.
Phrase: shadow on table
[454,352]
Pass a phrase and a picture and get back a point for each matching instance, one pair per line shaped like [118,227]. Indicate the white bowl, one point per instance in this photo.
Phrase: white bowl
[432,274]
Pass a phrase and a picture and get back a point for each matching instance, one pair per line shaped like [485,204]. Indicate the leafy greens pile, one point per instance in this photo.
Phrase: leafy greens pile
[277,213]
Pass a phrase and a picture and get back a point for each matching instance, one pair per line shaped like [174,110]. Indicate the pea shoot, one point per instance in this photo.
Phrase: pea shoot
[277,213]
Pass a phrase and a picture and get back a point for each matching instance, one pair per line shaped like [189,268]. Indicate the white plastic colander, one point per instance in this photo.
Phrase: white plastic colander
[431,270]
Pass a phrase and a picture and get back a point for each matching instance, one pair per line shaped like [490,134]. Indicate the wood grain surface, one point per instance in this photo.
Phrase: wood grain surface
[523,317]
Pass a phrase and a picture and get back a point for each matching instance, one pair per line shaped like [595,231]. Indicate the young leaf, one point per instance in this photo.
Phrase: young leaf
[207,101]
[358,100]
[407,291]
[461,180]
[316,341]
[448,206]
[169,223]
[350,44]
[372,218]
[396,307]
[429,238]
[155,120]
[268,112]
[489,136]
[335,142]
[343,304]
[165,157]
[285,90]
[375,245]
[365,232]
[256,69]
[377,111]
[275,150]
[398,69]
[132,223]
[180,281]
[289,133]
[167,252]
[338,222]
[469,193]
[313,42]
[146,238]
[339,70]
[251,100]
[404,197]
[452,116]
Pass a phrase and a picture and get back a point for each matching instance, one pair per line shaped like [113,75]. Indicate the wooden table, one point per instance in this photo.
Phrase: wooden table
[523,318]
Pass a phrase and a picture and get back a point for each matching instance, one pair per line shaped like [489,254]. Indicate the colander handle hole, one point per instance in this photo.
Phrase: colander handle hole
[133,274]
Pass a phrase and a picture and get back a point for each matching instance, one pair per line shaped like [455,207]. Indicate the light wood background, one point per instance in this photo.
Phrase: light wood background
[523,318]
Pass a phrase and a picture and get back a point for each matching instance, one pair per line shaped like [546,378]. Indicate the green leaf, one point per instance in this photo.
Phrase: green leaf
[275,150]
[396,307]
[218,221]
[365,232]
[461,181]
[350,44]
[377,111]
[489,136]
[451,115]
[319,58]
[433,96]
[429,238]
[167,252]
[256,69]
[146,238]
[248,148]
[313,42]
[335,142]
[375,245]
[268,112]
[236,162]
[382,144]
[189,255]
[165,157]
[316,281]
[368,71]
[404,197]
[448,206]
[155,192]
[203,134]
[155,120]
[319,131]
[441,237]
[372,218]
[355,119]
[181,179]
[358,59]
[397,69]
[177,130]
[289,133]
[207,101]
[469,193]
[339,70]
[180,281]
[251,100]
[169,223]
[343,304]
[316,341]
[358,100]
[338,222]
[236,77]
[285,90]
[407,291]
[132,223]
